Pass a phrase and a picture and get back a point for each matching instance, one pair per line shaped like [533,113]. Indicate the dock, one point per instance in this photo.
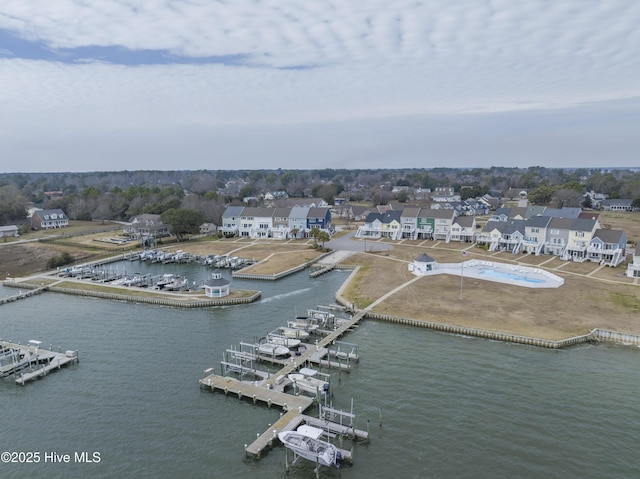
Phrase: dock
[29,362]
[269,389]
[22,294]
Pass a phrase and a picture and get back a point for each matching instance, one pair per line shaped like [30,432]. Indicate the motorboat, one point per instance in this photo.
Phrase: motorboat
[274,350]
[305,442]
[283,340]
[303,323]
[293,333]
[306,380]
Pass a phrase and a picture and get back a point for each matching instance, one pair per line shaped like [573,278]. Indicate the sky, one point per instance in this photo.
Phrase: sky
[111,85]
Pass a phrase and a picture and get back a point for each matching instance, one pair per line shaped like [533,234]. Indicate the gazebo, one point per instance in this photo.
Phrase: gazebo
[422,264]
[217,286]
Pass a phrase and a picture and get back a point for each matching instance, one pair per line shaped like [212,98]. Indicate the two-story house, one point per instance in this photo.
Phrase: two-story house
[47,219]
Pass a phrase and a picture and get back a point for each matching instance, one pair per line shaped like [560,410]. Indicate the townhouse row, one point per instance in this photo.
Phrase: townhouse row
[278,223]
[572,238]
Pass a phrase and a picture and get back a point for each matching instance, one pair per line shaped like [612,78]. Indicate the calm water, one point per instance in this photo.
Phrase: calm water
[449,406]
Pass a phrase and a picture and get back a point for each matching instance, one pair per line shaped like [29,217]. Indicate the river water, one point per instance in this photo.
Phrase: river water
[436,405]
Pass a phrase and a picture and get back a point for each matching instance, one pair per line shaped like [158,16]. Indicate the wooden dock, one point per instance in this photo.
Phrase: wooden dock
[40,361]
[22,294]
[269,391]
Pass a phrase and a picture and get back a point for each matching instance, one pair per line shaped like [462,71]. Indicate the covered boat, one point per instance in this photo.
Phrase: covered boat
[306,380]
[306,443]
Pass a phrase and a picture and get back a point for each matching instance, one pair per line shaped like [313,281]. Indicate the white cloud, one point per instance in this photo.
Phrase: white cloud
[372,59]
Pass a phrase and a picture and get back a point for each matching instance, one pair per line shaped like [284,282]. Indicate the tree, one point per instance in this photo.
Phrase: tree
[295,231]
[541,195]
[182,221]
[314,234]
[322,237]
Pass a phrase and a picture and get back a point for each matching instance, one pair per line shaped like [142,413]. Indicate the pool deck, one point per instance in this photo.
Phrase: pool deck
[474,268]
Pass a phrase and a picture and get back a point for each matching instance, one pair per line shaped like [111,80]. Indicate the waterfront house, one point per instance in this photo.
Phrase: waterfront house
[442,221]
[146,226]
[608,247]
[382,225]
[557,236]
[503,235]
[463,229]
[409,220]
[319,217]
[298,220]
[281,223]
[231,220]
[581,232]
[256,222]
[535,234]
[47,219]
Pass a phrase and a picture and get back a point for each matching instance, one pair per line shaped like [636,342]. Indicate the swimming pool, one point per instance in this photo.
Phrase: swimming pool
[518,275]
[507,275]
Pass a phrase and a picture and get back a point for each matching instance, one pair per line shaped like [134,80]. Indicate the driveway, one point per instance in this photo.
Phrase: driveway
[347,243]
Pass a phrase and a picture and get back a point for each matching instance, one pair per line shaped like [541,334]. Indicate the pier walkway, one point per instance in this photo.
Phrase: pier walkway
[36,362]
[22,294]
[266,392]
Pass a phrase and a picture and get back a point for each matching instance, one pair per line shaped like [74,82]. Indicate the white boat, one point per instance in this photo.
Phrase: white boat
[293,333]
[303,323]
[306,380]
[272,349]
[283,341]
[306,443]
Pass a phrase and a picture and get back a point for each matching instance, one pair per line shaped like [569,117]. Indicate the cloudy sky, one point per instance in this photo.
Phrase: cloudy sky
[207,84]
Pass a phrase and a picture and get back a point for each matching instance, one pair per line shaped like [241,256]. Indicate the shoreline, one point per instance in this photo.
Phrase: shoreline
[594,334]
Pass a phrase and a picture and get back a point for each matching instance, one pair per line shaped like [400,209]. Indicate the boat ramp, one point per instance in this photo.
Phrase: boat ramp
[28,362]
[269,388]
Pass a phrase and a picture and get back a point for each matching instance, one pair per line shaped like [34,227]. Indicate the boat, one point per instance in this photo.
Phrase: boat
[306,380]
[283,340]
[303,323]
[272,349]
[293,333]
[305,442]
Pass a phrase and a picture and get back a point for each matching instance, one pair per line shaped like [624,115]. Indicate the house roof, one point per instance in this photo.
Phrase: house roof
[48,213]
[233,211]
[465,221]
[505,227]
[561,223]
[580,224]
[538,222]
[593,215]
[437,213]
[299,212]
[258,211]
[563,212]
[282,212]
[317,212]
[410,212]
[610,236]
[618,201]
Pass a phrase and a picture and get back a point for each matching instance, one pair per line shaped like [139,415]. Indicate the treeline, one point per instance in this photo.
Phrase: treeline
[125,194]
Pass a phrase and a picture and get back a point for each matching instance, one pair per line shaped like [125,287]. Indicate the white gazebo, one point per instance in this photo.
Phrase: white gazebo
[217,286]
[422,264]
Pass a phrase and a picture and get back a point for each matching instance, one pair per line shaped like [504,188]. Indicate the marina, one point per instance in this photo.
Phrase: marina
[499,408]
[269,388]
